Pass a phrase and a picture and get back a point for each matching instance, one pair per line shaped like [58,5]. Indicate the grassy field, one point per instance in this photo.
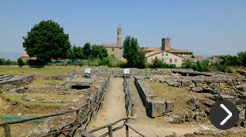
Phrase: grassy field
[14,98]
[31,71]
[178,96]
[52,96]
[44,82]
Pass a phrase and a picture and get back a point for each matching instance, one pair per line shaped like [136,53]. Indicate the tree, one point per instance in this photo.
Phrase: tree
[47,40]
[7,62]
[20,62]
[156,63]
[140,59]
[130,49]
[87,50]
[242,57]
[200,66]
[189,63]
[99,52]
[77,52]
[2,61]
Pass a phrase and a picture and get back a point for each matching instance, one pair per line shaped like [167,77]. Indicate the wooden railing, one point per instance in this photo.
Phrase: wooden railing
[128,98]
[96,100]
[111,129]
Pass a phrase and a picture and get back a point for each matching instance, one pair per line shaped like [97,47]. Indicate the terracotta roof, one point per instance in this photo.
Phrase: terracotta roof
[192,56]
[25,55]
[152,49]
[153,53]
[179,51]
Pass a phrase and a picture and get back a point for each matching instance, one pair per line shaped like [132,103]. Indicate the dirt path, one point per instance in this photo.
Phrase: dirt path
[113,108]
[153,127]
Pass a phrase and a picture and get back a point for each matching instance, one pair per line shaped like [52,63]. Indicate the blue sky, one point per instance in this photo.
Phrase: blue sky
[211,27]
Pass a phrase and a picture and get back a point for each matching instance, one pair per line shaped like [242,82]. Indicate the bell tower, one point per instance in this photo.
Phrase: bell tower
[119,37]
[166,44]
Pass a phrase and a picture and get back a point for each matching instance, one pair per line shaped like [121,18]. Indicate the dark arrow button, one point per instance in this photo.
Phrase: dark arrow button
[224,115]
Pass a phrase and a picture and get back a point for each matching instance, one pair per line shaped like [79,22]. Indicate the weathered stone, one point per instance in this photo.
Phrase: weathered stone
[169,106]
[193,103]
[178,119]
[207,102]
[157,108]
[189,135]
[208,132]
[200,116]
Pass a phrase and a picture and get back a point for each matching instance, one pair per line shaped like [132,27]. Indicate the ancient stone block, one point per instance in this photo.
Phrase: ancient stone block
[169,106]
[157,108]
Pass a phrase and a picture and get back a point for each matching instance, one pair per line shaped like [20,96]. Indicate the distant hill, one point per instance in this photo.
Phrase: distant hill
[10,55]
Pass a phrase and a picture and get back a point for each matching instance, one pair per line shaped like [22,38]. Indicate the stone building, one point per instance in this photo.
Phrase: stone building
[169,55]
[115,49]
[165,57]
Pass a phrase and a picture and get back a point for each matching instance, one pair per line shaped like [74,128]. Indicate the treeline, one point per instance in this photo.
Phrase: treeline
[239,60]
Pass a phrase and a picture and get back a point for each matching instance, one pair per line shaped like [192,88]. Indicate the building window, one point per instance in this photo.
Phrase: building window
[162,54]
[175,60]
[166,54]
[112,49]
[171,60]
[162,60]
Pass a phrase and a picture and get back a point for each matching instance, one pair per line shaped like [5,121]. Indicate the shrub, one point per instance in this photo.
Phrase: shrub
[7,62]
[2,61]
[189,63]
[156,63]
[20,62]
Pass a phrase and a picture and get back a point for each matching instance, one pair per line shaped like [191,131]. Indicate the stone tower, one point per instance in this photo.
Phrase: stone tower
[119,37]
[166,44]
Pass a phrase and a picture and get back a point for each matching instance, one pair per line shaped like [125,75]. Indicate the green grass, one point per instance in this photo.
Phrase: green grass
[13,98]
[31,71]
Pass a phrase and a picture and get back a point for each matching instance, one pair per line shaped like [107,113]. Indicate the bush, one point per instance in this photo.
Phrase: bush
[7,62]
[156,63]
[2,61]
[20,62]
[189,63]
[223,68]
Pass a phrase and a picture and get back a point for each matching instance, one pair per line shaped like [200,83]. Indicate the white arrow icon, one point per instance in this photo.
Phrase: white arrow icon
[229,114]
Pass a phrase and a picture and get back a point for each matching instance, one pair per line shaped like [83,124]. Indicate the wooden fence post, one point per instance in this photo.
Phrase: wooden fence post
[110,131]
[7,132]
[77,116]
[127,131]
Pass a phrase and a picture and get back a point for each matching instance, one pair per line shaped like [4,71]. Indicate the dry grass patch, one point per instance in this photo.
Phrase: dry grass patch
[177,95]
[52,96]
[44,82]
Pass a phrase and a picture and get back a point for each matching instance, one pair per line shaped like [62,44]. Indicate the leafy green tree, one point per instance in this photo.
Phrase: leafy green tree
[242,57]
[47,40]
[87,50]
[156,63]
[7,62]
[20,62]
[200,66]
[140,59]
[98,52]
[130,49]
[205,64]
[2,61]
[77,52]
[189,63]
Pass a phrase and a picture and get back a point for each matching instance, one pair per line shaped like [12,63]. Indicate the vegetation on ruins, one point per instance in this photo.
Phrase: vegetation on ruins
[131,51]
[47,40]
[238,60]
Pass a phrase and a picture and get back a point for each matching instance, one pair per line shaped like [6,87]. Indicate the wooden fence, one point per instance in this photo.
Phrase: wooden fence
[96,100]
[111,129]
[128,98]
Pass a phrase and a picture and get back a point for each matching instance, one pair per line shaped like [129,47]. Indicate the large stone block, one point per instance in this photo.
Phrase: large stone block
[157,108]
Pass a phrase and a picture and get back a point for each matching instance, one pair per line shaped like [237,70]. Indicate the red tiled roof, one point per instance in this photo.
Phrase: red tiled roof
[179,51]
[25,55]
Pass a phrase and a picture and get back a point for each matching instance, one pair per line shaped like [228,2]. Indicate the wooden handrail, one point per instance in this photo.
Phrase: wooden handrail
[105,126]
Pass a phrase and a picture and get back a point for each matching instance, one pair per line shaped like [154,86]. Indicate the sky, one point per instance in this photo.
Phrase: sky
[208,27]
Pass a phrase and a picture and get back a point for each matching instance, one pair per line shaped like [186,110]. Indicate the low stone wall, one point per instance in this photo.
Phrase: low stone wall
[154,107]
[5,86]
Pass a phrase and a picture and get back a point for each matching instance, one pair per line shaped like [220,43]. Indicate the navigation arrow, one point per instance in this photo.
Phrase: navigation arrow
[224,115]
[229,114]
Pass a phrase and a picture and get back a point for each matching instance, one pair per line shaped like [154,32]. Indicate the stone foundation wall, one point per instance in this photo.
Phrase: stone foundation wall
[5,86]
[154,107]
